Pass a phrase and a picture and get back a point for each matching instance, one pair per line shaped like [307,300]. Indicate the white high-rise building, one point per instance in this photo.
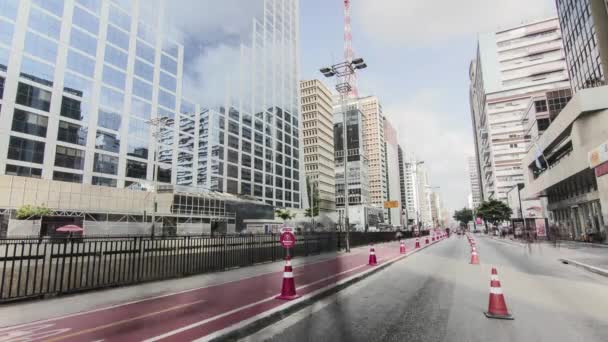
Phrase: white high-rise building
[474,181]
[412,200]
[393,179]
[511,68]
[373,142]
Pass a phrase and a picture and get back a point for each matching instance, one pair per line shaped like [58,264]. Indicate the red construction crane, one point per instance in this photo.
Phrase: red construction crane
[348,47]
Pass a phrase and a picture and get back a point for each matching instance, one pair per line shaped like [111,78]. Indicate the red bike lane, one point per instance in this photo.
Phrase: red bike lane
[196,313]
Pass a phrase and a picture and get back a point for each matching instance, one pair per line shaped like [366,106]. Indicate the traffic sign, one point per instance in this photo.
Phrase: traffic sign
[287,239]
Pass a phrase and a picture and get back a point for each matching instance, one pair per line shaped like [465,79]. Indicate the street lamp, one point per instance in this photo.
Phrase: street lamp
[344,72]
[159,123]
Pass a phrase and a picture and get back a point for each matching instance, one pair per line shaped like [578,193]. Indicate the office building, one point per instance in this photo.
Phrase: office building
[474,181]
[584,25]
[512,66]
[250,145]
[403,187]
[393,180]
[373,142]
[423,192]
[412,200]
[318,138]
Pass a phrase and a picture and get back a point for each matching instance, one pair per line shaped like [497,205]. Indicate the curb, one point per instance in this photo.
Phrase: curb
[589,268]
[268,318]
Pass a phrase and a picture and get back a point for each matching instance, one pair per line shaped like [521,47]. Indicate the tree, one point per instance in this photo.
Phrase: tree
[463,216]
[284,214]
[30,212]
[494,212]
[314,200]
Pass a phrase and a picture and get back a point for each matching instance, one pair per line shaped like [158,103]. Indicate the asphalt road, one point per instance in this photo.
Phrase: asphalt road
[436,295]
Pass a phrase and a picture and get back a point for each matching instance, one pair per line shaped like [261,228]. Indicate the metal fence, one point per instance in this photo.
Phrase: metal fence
[39,267]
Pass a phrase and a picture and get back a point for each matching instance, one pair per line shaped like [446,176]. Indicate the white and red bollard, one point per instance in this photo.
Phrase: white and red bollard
[417,243]
[402,247]
[372,256]
[288,290]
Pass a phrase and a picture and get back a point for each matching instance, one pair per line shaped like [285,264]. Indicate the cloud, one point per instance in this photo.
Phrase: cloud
[432,136]
[401,22]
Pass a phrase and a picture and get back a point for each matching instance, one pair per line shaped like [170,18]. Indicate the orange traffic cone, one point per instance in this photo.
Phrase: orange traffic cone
[372,256]
[474,258]
[497,308]
[417,243]
[288,290]
[402,247]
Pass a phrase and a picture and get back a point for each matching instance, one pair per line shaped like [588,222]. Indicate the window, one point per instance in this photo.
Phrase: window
[167,81]
[111,99]
[26,150]
[233,171]
[142,89]
[93,5]
[246,160]
[105,164]
[118,37]
[107,142]
[1,87]
[232,186]
[120,18]
[53,6]
[73,109]
[23,171]
[233,156]
[137,148]
[144,70]
[139,129]
[8,8]
[170,48]
[40,47]
[168,64]
[145,51]
[116,57]
[164,174]
[141,109]
[102,181]
[44,23]
[85,20]
[83,41]
[67,177]
[245,188]
[166,99]
[80,63]
[31,96]
[246,147]
[77,85]
[146,33]
[136,169]
[540,106]
[245,174]
[30,123]
[109,120]
[69,158]
[6,32]
[114,77]
[37,71]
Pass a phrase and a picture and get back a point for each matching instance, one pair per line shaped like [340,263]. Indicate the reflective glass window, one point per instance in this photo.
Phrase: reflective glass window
[1,87]
[41,47]
[146,33]
[166,99]
[53,6]
[168,82]
[186,107]
[141,109]
[162,112]
[77,85]
[8,8]
[83,41]
[145,51]
[44,23]
[186,125]
[30,123]
[73,109]
[104,163]
[6,32]
[137,148]
[114,77]
[116,57]
[168,64]
[93,5]
[34,97]
[102,181]
[23,171]
[111,98]
[139,129]
[26,150]
[164,174]
[67,177]
[85,20]
[69,157]
[142,89]
[80,63]
[144,70]
[107,141]
[109,120]
[170,48]
[37,71]
[118,37]
[120,18]
[186,142]
[72,133]
[3,58]
[136,169]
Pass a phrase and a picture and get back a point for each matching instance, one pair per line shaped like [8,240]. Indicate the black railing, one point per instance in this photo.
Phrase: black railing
[39,267]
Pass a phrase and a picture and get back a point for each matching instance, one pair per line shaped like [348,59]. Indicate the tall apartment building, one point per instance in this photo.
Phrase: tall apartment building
[585,35]
[512,67]
[393,180]
[423,192]
[403,186]
[251,144]
[373,142]
[318,136]
[81,81]
[412,200]
[476,198]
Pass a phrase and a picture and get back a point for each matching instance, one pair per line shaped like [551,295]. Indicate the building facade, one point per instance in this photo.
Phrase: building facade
[318,137]
[424,191]
[412,200]
[403,186]
[511,67]
[585,34]
[393,181]
[476,197]
[251,145]
[373,142]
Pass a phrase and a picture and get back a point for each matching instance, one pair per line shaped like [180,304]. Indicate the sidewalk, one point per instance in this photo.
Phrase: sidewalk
[207,306]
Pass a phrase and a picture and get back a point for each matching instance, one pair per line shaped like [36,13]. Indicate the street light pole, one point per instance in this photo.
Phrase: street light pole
[344,72]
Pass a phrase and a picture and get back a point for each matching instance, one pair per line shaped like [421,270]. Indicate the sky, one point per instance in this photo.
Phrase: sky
[418,54]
